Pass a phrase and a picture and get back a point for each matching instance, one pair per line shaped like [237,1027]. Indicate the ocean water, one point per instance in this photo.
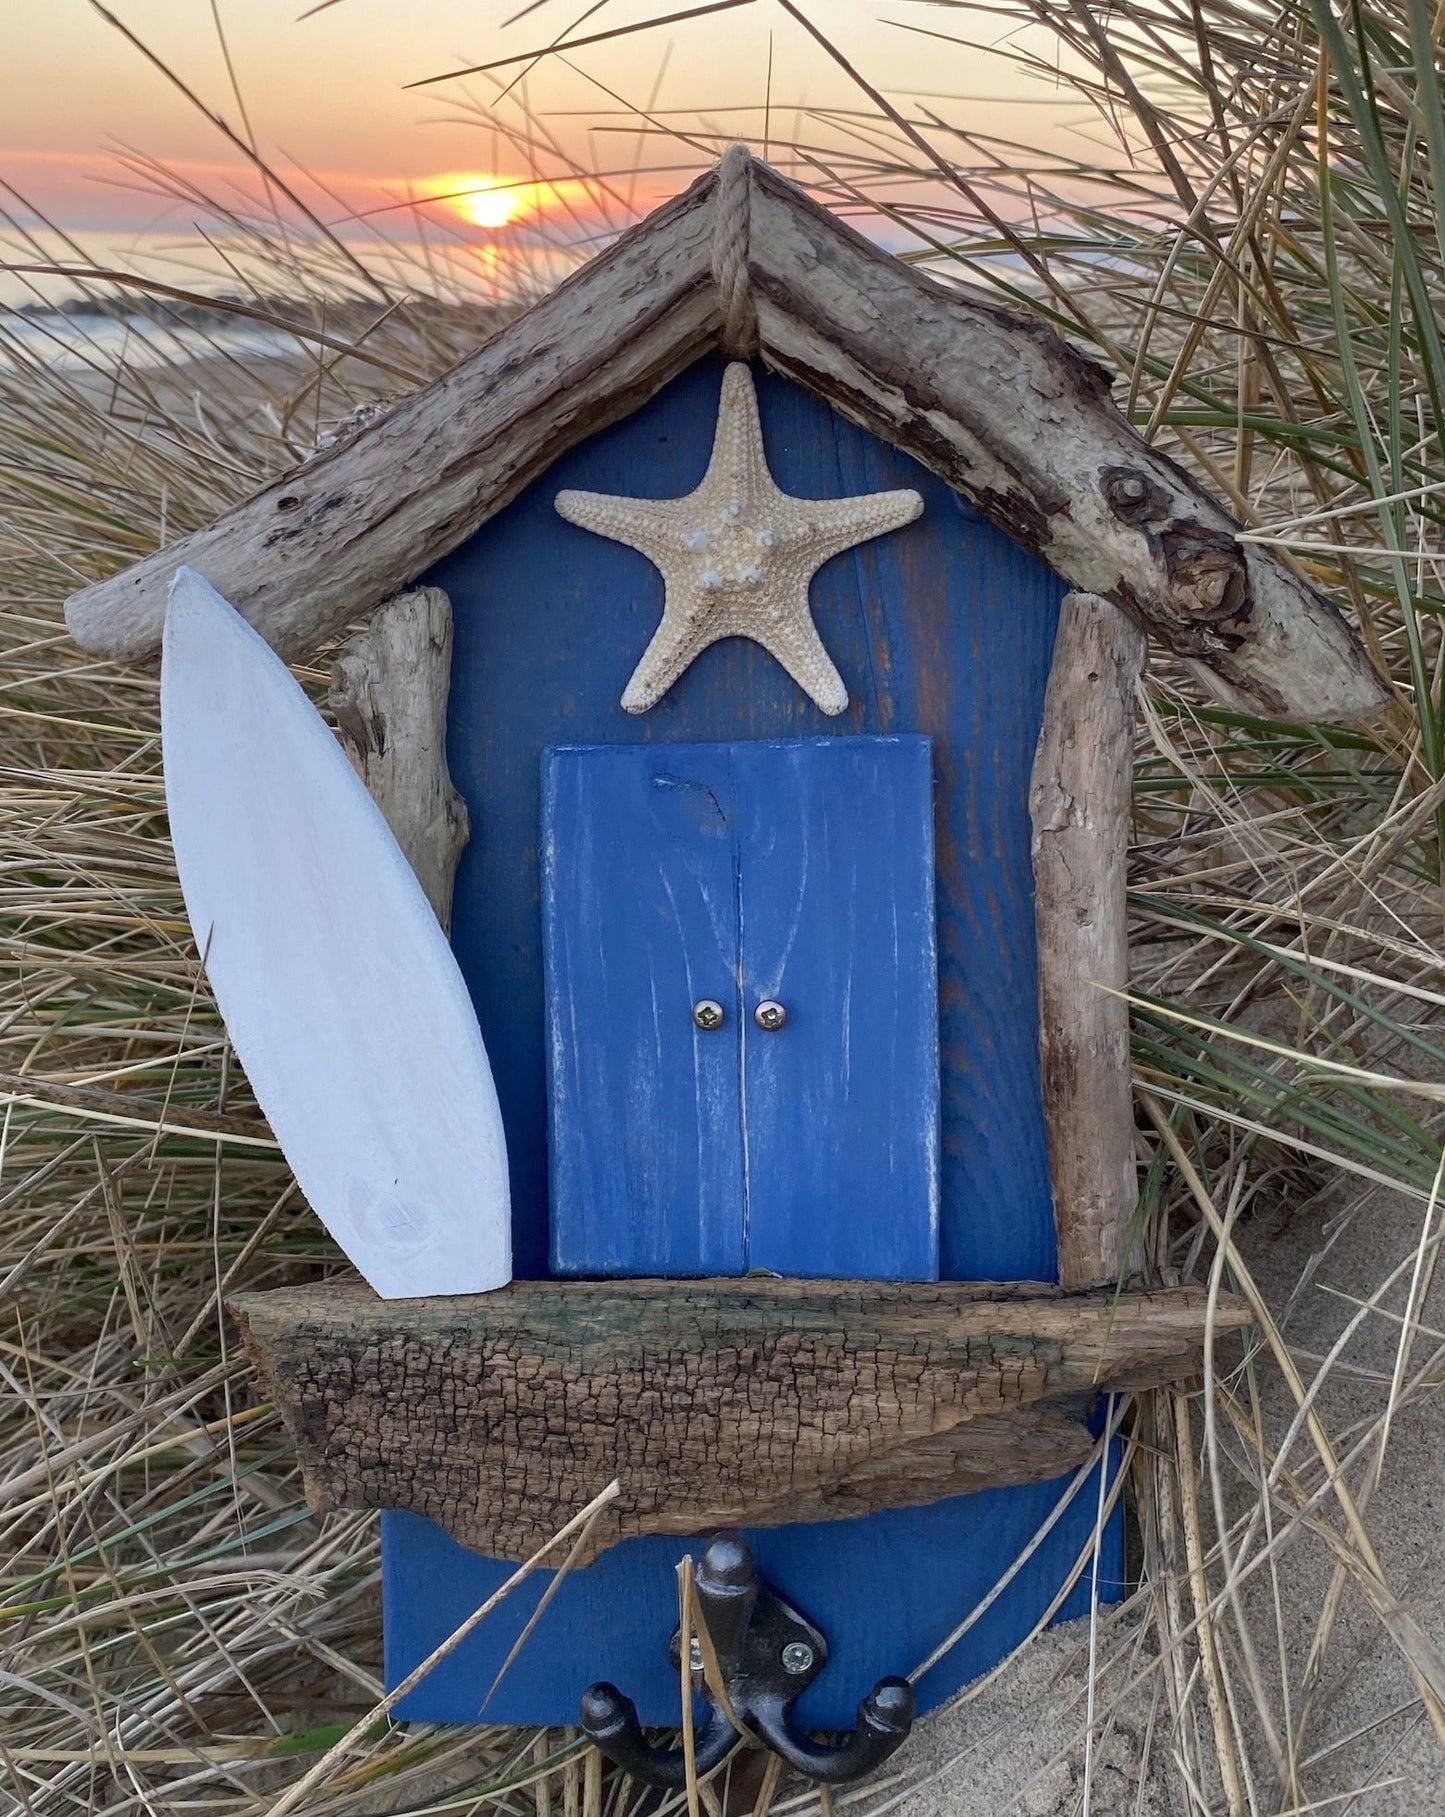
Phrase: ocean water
[46,278]
[48,281]
[54,337]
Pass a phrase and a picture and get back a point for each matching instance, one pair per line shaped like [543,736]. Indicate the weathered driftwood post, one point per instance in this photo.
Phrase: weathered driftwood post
[1080,801]
[389,689]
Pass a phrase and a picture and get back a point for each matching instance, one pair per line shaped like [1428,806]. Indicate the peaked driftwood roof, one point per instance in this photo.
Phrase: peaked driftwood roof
[992,401]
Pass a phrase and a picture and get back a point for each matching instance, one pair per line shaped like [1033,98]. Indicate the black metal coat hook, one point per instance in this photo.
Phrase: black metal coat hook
[768,1654]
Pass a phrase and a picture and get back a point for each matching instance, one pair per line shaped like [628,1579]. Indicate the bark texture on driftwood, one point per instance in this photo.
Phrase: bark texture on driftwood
[993,401]
[1025,427]
[389,689]
[716,1403]
[1080,802]
[314,550]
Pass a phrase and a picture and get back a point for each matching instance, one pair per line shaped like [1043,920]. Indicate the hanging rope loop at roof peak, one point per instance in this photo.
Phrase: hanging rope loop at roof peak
[730,254]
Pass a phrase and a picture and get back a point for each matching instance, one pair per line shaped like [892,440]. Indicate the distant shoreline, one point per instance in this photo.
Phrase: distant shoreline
[158,331]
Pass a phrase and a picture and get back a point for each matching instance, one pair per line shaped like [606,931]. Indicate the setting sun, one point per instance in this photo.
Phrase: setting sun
[493,201]
[490,201]
[497,201]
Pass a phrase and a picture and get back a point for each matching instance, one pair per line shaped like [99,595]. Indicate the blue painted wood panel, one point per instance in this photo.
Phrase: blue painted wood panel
[945,629]
[640,911]
[915,1572]
[800,871]
[840,1106]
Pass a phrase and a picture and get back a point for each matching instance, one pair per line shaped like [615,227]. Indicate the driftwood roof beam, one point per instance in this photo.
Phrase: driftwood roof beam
[323,546]
[992,401]
[1025,427]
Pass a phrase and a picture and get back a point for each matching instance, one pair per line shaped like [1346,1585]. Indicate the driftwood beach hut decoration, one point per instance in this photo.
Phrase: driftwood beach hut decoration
[771,614]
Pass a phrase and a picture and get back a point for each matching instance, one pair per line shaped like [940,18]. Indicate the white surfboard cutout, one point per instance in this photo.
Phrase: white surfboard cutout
[338,987]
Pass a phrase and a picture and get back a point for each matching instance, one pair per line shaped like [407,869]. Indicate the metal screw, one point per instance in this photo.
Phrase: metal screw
[1129,493]
[797,1658]
[707,1013]
[770,1015]
[694,1654]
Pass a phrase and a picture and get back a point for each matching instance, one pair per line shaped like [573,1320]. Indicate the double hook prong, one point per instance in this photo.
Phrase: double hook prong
[768,1654]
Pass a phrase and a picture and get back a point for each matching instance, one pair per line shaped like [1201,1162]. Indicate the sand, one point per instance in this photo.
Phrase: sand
[1020,1747]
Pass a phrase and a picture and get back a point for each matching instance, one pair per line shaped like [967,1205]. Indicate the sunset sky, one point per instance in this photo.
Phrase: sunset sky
[327,93]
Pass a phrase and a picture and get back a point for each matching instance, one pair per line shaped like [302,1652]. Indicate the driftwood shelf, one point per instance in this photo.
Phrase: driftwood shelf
[717,1403]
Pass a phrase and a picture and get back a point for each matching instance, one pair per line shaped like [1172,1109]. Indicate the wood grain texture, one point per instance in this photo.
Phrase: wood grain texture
[797,870]
[841,1106]
[640,921]
[993,402]
[316,549]
[1080,802]
[943,629]
[1025,427]
[716,1404]
[389,689]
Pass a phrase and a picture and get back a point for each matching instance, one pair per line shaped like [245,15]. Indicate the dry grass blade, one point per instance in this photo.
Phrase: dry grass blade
[686,1625]
[1244,216]
[576,44]
[581,1522]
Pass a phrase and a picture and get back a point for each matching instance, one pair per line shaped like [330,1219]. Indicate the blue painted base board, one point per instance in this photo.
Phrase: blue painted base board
[955,1552]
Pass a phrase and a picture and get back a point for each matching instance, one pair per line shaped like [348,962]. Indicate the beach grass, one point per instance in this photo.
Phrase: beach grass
[1248,226]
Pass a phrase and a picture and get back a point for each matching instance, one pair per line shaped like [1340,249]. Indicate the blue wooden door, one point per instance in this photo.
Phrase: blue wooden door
[640,919]
[795,873]
[944,630]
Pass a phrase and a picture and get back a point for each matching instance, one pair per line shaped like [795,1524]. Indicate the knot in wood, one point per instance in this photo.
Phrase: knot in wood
[1208,580]
[1132,496]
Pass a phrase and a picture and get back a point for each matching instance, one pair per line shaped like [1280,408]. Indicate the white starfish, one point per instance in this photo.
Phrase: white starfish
[737,555]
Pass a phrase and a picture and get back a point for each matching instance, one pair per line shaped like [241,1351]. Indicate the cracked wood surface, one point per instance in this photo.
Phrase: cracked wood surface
[718,1403]
[991,400]
[1080,802]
